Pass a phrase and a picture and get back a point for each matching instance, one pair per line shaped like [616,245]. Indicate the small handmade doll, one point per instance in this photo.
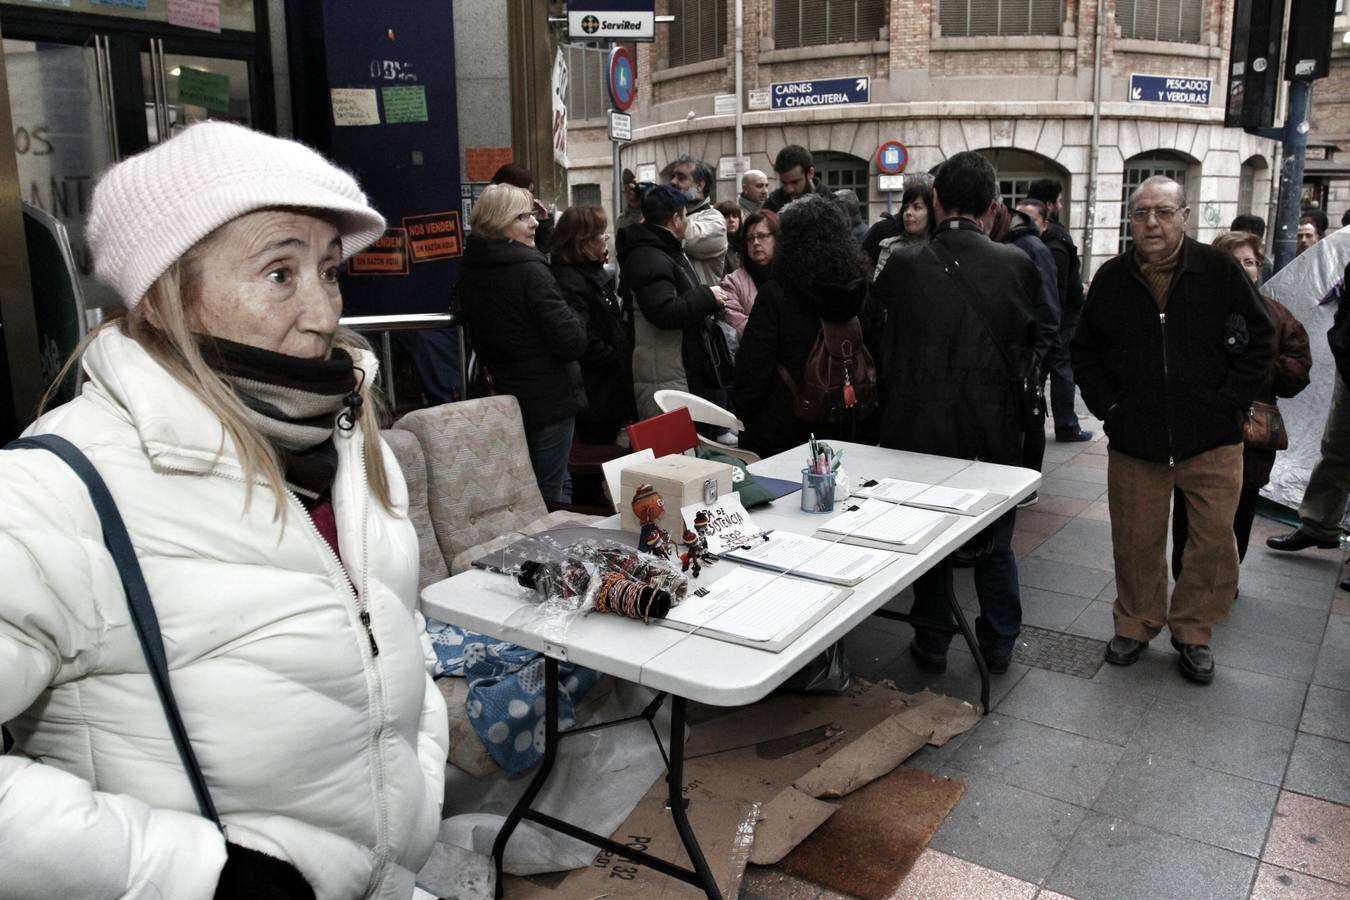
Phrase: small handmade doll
[693,551]
[701,519]
[648,507]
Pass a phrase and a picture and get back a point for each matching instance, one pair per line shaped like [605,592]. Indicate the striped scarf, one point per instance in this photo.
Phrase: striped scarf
[294,402]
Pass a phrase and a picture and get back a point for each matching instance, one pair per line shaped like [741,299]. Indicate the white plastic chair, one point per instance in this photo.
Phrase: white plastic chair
[709,413]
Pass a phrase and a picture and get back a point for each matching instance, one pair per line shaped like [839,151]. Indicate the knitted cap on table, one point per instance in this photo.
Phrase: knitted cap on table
[152,208]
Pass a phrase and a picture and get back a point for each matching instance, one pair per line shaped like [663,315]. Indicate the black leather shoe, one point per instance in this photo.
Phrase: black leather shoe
[1345,584]
[1298,539]
[1124,651]
[1072,435]
[1197,661]
[933,665]
[996,663]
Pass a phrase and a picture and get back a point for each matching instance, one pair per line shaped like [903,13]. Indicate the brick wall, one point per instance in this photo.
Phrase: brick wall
[956,63]
[910,27]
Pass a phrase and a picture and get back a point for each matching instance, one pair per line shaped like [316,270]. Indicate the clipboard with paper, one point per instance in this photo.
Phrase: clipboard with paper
[888,526]
[811,557]
[755,608]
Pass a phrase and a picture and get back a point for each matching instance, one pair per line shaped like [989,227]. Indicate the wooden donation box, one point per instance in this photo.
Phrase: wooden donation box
[680,480]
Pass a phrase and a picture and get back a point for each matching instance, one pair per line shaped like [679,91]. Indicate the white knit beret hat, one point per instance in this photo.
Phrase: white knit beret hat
[153,207]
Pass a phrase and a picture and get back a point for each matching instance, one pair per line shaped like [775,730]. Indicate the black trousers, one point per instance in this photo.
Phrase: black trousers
[1242,525]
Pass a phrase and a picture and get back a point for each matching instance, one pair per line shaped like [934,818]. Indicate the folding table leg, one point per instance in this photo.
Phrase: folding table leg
[545,767]
[949,591]
[678,805]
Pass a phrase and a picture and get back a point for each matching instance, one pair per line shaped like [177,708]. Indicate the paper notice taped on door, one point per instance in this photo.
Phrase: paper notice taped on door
[355,106]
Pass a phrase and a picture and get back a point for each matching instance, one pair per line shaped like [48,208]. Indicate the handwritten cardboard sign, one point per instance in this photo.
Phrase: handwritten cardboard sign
[729,524]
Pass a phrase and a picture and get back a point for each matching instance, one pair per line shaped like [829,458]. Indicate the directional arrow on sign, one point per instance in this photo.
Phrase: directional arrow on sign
[1136,94]
[861,84]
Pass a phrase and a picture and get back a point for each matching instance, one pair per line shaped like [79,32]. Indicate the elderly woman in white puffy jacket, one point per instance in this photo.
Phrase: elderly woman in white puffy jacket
[230,418]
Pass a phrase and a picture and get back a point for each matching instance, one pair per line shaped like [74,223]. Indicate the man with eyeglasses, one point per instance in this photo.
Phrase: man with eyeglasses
[1172,345]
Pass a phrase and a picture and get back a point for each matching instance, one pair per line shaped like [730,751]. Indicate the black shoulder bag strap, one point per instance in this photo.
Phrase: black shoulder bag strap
[118,542]
[953,270]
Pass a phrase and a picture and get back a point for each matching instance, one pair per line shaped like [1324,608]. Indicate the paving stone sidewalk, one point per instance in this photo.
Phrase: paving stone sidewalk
[1134,783]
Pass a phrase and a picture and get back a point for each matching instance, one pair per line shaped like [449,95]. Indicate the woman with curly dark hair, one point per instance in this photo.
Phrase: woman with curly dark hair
[818,274]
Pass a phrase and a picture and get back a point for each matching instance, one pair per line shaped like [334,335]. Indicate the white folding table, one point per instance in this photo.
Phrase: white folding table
[692,666]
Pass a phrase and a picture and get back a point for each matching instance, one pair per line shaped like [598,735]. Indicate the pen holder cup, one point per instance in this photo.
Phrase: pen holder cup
[817,492]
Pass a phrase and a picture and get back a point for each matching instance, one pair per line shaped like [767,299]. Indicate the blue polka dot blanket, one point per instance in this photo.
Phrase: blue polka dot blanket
[506,692]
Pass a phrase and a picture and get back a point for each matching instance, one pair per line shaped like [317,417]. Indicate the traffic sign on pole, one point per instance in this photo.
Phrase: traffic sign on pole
[892,157]
[622,78]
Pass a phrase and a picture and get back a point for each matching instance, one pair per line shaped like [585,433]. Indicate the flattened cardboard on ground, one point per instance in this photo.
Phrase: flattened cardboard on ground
[868,847]
[939,716]
[734,765]
[785,822]
[885,746]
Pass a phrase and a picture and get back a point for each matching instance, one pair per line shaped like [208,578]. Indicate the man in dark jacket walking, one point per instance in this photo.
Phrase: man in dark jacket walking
[1069,282]
[1172,346]
[667,300]
[957,309]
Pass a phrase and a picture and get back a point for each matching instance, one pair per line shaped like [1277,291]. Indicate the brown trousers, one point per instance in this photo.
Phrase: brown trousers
[1140,495]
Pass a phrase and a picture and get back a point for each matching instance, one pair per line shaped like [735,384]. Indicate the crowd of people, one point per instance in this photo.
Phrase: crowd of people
[973,313]
[235,426]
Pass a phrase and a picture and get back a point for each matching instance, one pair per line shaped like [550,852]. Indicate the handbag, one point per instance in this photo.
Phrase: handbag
[1263,427]
[721,355]
[247,873]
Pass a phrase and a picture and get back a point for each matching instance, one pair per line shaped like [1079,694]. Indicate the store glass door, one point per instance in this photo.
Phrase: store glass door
[181,89]
[64,135]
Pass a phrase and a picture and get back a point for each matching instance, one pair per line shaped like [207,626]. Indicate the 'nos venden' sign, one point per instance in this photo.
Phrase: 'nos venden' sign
[1170,89]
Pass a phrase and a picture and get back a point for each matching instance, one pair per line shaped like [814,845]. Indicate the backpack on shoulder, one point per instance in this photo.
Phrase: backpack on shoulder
[839,379]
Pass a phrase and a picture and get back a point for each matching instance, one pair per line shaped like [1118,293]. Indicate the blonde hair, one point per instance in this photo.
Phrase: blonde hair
[162,324]
[497,208]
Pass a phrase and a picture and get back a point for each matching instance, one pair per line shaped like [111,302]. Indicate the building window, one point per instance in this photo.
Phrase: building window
[587,82]
[840,170]
[586,195]
[809,23]
[1160,20]
[1014,188]
[976,18]
[699,32]
[1254,186]
[1139,169]
[1246,190]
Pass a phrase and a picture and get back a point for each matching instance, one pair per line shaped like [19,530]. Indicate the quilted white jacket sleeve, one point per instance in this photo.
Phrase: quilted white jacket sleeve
[58,837]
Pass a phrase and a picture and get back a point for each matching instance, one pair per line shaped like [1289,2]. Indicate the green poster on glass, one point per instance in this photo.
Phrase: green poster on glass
[405,103]
[205,89]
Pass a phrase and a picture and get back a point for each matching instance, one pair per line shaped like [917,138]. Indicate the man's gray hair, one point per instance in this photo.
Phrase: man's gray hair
[1160,181]
[750,173]
[702,172]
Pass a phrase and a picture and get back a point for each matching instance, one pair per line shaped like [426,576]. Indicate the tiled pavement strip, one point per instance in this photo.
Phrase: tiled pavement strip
[1134,783]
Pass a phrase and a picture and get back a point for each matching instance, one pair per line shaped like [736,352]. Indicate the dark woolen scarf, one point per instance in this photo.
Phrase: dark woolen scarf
[294,402]
[758,272]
